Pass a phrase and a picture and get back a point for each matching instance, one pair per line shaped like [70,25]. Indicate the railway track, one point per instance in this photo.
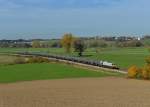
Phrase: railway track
[89,64]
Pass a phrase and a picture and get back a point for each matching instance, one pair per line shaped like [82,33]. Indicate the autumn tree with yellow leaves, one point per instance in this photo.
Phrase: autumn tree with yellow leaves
[67,42]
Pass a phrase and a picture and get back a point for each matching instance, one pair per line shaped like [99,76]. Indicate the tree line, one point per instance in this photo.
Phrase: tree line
[70,41]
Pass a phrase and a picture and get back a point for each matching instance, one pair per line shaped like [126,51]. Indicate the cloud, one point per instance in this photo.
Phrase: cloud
[56,4]
[83,17]
[5,4]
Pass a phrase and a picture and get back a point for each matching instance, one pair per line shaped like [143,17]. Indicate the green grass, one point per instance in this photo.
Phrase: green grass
[52,50]
[146,42]
[123,57]
[45,71]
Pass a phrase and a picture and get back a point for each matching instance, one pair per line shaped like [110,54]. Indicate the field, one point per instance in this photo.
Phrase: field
[123,57]
[81,92]
[5,59]
[43,71]
[62,85]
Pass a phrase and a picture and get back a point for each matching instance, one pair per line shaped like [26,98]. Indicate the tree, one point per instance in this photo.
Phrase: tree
[56,44]
[131,43]
[67,41]
[79,46]
[36,44]
[96,43]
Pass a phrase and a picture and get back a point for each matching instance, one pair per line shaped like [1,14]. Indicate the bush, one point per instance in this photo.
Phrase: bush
[147,60]
[140,73]
[96,43]
[19,60]
[146,72]
[132,43]
[37,60]
[146,69]
[133,72]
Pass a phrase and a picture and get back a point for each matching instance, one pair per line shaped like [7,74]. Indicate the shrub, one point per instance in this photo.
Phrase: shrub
[147,60]
[19,60]
[139,74]
[146,72]
[133,72]
[132,43]
[37,60]
[96,43]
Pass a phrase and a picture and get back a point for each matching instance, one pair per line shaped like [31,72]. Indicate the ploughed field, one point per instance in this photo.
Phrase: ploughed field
[85,92]
[123,57]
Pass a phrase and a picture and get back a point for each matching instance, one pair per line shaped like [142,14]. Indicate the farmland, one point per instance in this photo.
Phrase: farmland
[123,57]
[5,59]
[59,84]
[79,92]
[43,71]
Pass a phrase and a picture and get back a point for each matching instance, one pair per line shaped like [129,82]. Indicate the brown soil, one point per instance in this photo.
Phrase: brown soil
[88,92]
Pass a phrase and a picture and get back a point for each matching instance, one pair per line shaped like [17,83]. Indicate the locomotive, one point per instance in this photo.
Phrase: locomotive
[104,64]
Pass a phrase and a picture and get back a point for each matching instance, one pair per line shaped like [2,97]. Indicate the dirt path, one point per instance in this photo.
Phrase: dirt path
[89,92]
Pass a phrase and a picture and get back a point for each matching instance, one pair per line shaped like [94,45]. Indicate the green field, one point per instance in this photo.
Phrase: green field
[9,50]
[45,71]
[123,57]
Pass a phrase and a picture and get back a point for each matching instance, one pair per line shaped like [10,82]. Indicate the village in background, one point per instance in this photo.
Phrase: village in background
[97,41]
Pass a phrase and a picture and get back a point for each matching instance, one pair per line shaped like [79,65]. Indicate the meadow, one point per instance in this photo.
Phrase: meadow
[45,71]
[123,57]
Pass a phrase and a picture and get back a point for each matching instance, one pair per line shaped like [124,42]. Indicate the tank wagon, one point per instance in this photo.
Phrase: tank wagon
[104,64]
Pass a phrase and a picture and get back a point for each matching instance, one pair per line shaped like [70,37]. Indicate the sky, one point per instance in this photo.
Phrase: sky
[52,18]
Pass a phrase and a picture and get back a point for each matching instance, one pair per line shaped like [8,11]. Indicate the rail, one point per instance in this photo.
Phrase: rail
[73,62]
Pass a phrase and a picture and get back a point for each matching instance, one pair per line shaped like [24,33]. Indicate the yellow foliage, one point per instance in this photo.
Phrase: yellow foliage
[146,72]
[139,73]
[133,71]
[67,41]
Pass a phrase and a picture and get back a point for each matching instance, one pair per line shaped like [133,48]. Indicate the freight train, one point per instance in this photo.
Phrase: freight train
[104,64]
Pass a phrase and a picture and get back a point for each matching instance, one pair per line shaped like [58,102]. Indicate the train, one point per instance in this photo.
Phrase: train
[104,64]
